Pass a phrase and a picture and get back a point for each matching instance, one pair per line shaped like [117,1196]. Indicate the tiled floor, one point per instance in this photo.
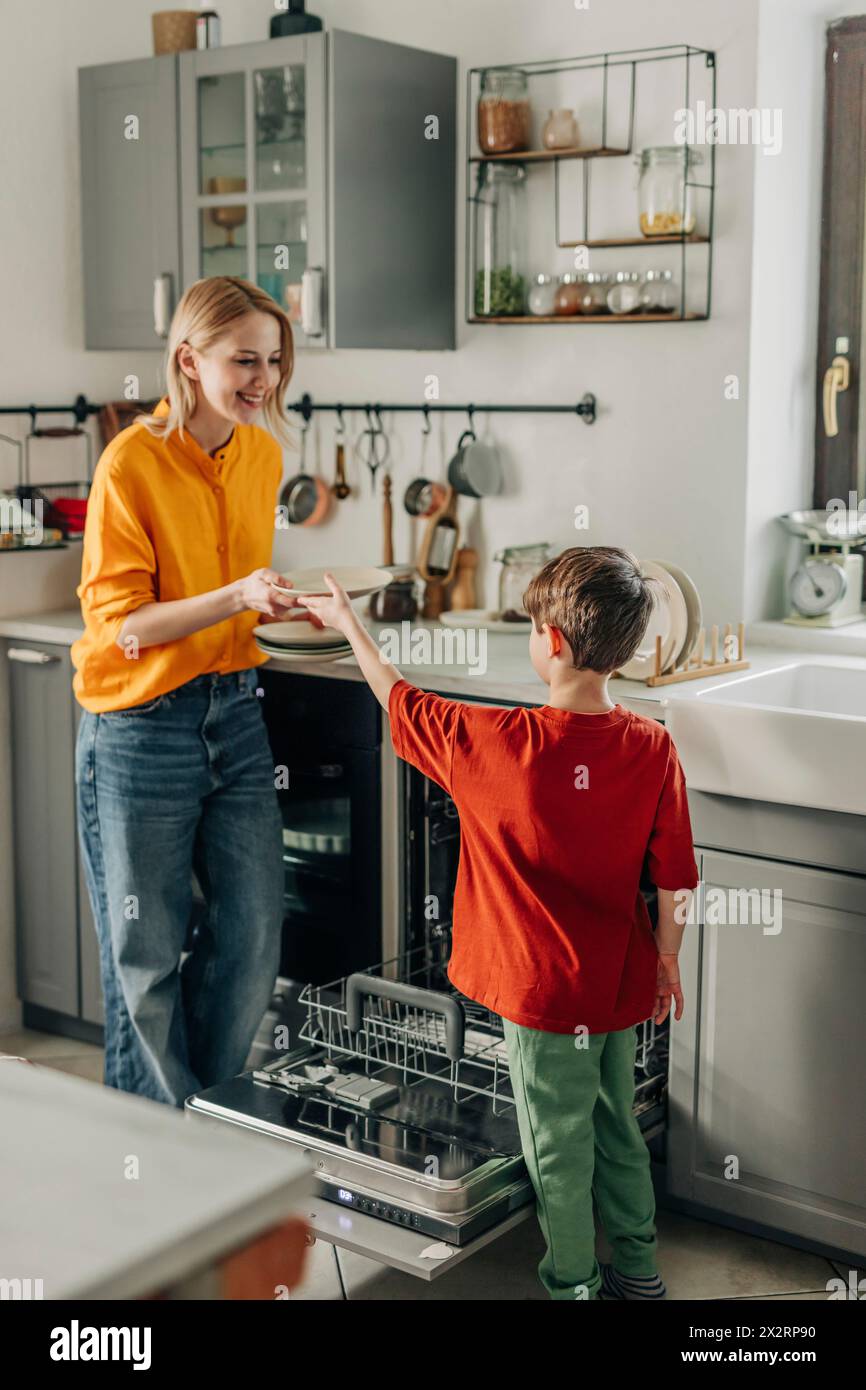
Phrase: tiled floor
[698,1260]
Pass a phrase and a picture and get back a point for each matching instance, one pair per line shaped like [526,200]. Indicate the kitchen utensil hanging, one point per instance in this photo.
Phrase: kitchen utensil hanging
[306,498]
[423,497]
[372,447]
[475,470]
[340,488]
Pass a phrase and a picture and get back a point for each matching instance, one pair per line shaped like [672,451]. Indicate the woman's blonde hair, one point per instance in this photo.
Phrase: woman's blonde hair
[204,314]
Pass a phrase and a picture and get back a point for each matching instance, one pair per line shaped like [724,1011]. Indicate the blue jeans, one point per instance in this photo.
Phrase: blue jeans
[183,782]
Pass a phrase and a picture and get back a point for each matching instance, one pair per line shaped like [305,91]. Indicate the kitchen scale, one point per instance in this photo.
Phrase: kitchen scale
[826,587]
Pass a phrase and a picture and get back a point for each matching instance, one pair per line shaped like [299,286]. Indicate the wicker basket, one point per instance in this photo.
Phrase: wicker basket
[174,30]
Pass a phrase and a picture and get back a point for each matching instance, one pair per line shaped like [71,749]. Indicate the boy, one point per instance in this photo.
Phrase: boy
[559,808]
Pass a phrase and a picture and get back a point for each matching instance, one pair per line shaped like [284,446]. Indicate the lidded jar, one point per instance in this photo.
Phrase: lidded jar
[593,292]
[520,565]
[568,293]
[500,241]
[659,293]
[624,295]
[665,200]
[504,113]
[542,294]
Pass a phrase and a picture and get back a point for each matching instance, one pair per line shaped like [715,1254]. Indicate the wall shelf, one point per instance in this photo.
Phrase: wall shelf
[694,290]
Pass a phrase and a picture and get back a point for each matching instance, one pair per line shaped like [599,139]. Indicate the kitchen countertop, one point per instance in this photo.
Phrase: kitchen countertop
[98,1234]
[509,676]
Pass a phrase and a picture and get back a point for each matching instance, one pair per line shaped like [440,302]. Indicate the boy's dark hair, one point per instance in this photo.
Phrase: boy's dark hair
[599,600]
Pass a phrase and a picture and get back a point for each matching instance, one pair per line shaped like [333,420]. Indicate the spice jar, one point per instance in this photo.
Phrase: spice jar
[542,296]
[398,601]
[624,295]
[659,293]
[568,294]
[520,565]
[503,111]
[560,130]
[665,191]
[500,241]
[593,292]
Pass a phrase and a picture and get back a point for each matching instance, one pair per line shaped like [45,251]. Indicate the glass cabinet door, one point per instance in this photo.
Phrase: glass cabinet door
[252,135]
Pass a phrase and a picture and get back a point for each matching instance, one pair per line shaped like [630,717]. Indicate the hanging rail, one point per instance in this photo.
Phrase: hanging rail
[585,408]
[307,407]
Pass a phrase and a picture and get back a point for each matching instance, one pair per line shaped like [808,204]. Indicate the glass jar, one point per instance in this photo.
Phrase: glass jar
[520,565]
[624,295]
[593,292]
[665,199]
[542,295]
[504,113]
[500,241]
[568,293]
[659,293]
[560,130]
[398,601]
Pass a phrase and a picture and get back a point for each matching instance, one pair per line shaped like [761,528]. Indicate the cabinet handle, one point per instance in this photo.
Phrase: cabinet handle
[311,302]
[162,304]
[28,655]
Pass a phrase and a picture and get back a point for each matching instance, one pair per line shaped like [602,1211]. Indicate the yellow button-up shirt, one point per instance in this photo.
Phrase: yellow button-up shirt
[165,521]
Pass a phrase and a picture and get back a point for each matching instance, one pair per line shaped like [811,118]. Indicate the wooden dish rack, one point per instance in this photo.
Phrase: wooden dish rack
[696,667]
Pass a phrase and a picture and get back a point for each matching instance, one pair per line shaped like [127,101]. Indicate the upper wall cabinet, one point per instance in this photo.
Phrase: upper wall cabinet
[321,167]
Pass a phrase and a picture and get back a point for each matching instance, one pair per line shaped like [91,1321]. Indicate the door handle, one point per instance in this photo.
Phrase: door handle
[162,304]
[311,302]
[836,378]
[28,655]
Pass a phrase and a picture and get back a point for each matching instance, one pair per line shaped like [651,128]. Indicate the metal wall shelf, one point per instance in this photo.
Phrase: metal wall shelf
[604,64]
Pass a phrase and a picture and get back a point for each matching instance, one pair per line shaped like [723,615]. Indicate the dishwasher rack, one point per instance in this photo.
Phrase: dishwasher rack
[405,1014]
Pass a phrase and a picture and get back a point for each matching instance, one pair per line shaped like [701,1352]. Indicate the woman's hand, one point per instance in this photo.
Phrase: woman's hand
[667,987]
[335,611]
[256,592]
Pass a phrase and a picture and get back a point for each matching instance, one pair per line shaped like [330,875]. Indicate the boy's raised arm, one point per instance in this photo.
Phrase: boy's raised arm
[337,612]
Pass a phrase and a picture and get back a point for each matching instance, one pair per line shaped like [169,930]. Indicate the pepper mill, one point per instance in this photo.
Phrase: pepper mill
[463,592]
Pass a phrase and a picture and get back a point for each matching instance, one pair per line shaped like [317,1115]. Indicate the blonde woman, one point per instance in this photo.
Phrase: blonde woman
[173,766]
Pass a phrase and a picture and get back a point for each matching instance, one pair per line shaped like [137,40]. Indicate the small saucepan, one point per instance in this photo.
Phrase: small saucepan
[423,497]
[307,499]
[475,470]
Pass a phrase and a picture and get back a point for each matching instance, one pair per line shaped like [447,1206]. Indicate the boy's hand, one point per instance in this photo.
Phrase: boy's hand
[667,986]
[335,611]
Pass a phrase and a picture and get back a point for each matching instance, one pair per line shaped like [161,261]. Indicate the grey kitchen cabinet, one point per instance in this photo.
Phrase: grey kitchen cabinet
[321,167]
[768,1066]
[129,198]
[58,962]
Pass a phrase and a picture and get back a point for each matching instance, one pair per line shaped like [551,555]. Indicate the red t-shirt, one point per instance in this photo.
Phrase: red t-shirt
[558,812]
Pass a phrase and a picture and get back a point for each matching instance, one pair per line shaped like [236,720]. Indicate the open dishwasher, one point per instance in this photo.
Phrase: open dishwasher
[398,1091]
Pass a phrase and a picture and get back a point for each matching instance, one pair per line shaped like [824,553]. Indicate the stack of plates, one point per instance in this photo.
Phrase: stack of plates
[300,641]
[676,618]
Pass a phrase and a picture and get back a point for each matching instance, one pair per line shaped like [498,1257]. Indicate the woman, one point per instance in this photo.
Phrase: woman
[173,767]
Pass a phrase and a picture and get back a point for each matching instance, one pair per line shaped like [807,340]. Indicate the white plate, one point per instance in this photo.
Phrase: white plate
[693,608]
[484,617]
[668,620]
[357,580]
[312,656]
[298,634]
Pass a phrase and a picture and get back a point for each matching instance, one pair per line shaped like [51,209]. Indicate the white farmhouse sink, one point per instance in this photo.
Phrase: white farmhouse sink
[795,734]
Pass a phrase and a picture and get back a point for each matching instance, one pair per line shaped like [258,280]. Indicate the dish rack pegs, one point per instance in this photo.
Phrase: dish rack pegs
[695,666]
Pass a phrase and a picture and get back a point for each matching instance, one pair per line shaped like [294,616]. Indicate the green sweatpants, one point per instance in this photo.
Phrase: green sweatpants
[580,1139]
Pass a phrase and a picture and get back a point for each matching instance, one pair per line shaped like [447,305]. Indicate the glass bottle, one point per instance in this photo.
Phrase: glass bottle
[560,130]
[504,113]
[500,280]
[665,200]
